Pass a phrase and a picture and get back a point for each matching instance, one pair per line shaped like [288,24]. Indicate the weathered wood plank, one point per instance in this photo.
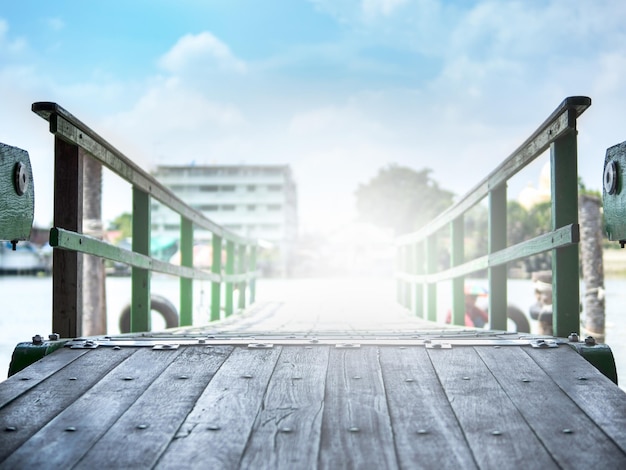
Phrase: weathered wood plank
[216,432]
[30,377]
[595,394]
[149,425]
[17,200]
[356,427]
[493,426]
[287,430]
[556,420]
[67,437]
[33,409]
[426,431]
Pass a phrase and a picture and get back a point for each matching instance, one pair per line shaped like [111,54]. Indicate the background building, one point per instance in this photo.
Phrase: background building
[257,201]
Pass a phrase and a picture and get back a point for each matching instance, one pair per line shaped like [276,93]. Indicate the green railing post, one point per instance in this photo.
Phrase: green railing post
[399,269]
[230,270]
[186,284]
[565,279]
[457,257]
[252,284]
[140,304]
[216,286]
[431,267]
[241,258]
[418,288]
[497,274]
[407,267]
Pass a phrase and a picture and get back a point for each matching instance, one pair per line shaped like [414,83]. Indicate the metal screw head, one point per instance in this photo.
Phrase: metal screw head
[142,426]
[20,176]
[610,177]
[54,337]
[37,339]
[590,341]
[354,429]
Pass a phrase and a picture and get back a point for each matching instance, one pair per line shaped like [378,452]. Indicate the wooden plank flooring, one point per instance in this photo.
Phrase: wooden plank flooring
[313,406]
[326,380]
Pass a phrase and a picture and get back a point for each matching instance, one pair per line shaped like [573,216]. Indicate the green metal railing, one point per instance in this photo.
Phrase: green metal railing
[417,272]
[75,141]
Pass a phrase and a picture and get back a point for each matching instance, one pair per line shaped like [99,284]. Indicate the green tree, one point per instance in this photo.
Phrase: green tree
[123,223]
[401,198]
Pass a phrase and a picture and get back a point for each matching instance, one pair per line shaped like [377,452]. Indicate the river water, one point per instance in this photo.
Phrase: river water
[26,306]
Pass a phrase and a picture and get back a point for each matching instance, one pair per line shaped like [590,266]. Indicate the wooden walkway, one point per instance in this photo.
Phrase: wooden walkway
[300,385]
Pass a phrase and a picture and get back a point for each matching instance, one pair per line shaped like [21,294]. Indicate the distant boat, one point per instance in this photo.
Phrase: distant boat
[26,259]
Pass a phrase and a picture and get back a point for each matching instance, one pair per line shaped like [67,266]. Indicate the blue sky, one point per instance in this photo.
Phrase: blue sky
[335,88]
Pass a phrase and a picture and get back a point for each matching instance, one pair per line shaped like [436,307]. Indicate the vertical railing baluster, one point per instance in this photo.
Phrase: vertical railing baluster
[431,267]
[230,270]
[252,267]
[457,257]
[497,274]
[565,280]
[67,265]
[408,268]
[399,281]
[242,258]
[216,286]
[186,284]
[140,303]
[418,288]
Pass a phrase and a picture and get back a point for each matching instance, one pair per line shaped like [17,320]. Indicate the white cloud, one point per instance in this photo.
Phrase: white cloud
[11,47]
[55,23]
[381,7]
[199,53]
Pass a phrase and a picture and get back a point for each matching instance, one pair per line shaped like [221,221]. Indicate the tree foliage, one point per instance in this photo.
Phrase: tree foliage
[401,198]
[123,223]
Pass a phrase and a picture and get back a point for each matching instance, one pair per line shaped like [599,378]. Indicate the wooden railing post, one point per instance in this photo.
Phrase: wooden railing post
[140,303]
[565,278]
[216,286]
[497,274]
[186,284]
[67,265]
[457,257]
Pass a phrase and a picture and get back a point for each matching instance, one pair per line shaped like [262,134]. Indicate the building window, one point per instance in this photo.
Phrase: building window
[207,207]
[208,188]
[228,207]
[275,187]
[227,189]
[251,188]
[251,207]
[274,207]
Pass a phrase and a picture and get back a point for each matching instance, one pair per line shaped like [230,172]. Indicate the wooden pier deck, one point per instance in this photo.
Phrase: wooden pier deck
[313,383]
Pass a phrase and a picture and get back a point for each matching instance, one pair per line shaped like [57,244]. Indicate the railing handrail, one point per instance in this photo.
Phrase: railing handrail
[558,123]
[71,135]
[124,167]
[416,251]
